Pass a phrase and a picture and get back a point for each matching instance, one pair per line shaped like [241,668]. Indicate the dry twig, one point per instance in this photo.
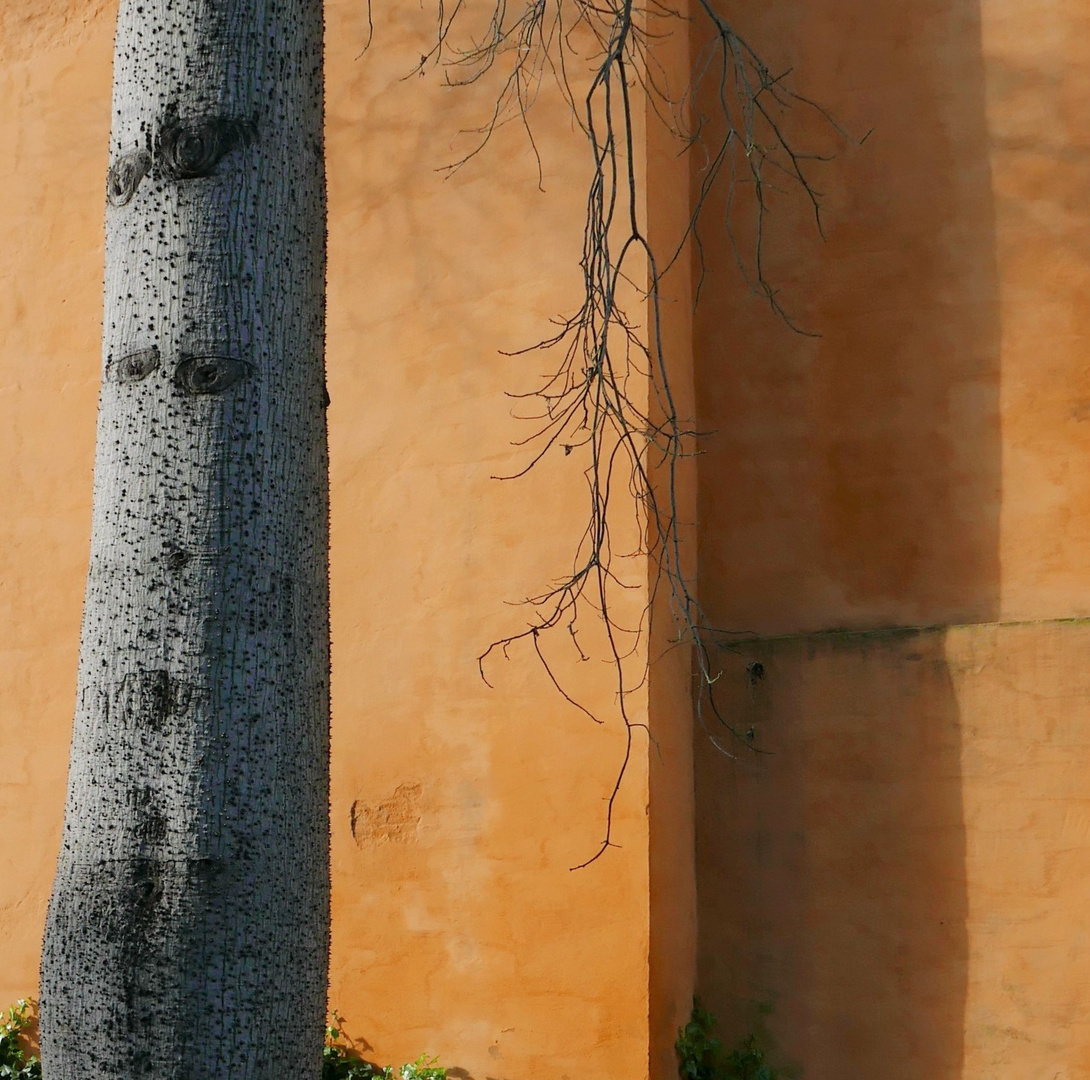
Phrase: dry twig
[585,406]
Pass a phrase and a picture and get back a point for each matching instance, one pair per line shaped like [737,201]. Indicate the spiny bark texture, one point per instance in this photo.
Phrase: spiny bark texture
[187,934]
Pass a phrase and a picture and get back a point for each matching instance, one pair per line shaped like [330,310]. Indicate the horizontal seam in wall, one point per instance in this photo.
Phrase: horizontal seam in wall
[742,637]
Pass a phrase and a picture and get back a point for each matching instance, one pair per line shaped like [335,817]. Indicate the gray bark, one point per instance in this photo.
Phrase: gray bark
[188,930]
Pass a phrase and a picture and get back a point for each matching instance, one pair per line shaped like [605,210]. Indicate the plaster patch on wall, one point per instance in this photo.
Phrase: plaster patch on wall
[395,820]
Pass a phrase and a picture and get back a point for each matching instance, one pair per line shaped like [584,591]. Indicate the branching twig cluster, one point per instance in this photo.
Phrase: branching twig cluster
[594,403]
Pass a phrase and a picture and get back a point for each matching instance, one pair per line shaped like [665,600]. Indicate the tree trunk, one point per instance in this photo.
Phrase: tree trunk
[188,930]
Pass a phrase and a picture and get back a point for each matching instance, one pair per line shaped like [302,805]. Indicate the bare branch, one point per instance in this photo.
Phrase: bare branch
[584,406]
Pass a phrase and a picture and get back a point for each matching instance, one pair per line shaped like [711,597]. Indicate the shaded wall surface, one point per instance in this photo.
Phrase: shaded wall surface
[896,887]
[892,878]
[672,877]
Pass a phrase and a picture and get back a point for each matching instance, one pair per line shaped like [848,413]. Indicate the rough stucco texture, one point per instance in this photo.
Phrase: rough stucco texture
[919,461]
[902,878]
[899,880]
[457,809]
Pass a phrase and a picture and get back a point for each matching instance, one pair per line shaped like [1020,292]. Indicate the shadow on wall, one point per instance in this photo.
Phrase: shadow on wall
[852,479]
[853,482]
[832,864]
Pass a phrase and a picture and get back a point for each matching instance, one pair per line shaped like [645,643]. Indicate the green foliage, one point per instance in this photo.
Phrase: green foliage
[698,1052]
[747,1062]
[424,1068]
[700,1055]
[341,1062]
[14,1063]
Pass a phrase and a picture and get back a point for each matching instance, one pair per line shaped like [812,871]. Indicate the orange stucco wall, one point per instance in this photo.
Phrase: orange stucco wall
[891,882]
[458,928]
[671,817]
[895,883]
[902,876]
